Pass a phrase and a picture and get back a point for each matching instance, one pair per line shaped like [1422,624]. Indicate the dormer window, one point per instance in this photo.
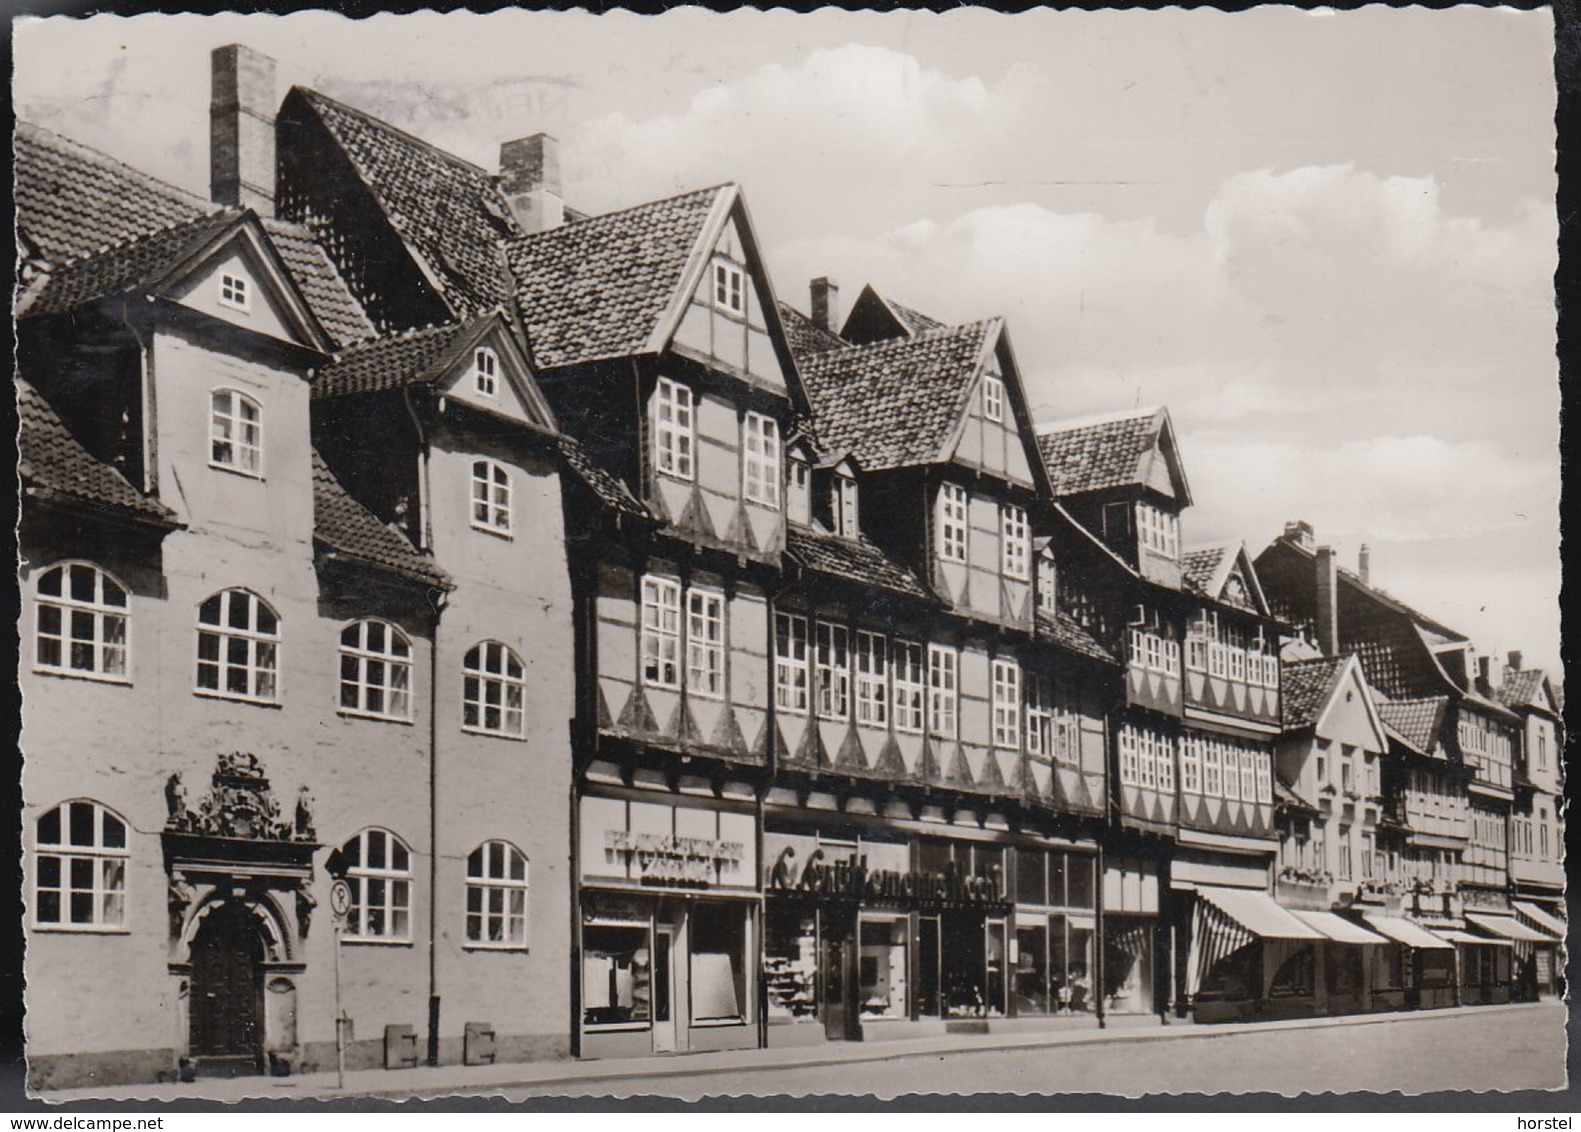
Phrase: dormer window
[1158,530]
[1046,588]
[798,496]
[235,292]
[485,371]
[730,291]
[843,504]
[993,398]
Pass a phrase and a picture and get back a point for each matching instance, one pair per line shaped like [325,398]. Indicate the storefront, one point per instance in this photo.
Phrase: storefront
[1427,969]
[668,927]
[1250,958]
[1053,953]
[1548,967]
[1525,944]
[1348,962]
[1131,969]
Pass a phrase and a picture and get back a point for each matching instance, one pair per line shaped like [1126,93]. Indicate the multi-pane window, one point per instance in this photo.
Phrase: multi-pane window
[375,670]
[1191,764]
[497,896]
[1344,853]
[952,522]
[1147,759]
[1152,643]
[661,632]
[81,622]
[1264,768]
[377,866]
[943,690]
[485,371]
[674,433]
[1047,590]
[1007,704]
[993,398]
[843,504]
[1013,541]
[1040,715]
[234,292]
[872,679]
[491,497]
[790,662]
[493,690]
[238,646]
[761,459]
[909,686]
[1158,530]
[834,671]
[79,863]
[705,643]
[1212,768]
[729,287]
[1164,758]
[235,432]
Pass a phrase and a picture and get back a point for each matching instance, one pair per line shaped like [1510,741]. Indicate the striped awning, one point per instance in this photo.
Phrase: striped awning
[1543,920]
[1338,929]
[1256,911]
[1404,931]
[1506,927]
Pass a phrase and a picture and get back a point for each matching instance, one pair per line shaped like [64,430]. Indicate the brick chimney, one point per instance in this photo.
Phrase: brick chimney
[1364,564]
[1515,660]
[242,107]
[1327,593]
[1299,532]
[530,180]
[826,304]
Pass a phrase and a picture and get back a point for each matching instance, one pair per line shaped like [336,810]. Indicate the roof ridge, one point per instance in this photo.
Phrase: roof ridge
[910,341]
[513,242]
[373,119]
[1112,416]
[45,134]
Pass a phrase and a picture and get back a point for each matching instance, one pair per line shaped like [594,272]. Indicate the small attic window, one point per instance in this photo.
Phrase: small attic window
[730,291]
[235,292]
[485,371]
[993,398]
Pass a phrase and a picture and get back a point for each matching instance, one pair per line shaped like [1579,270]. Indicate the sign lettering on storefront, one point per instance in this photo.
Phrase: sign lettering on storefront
[850,878]
[668,858]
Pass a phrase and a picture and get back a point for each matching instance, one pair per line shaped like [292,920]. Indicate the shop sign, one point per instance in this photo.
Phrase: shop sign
[668,858]
[850,878]
[658,844]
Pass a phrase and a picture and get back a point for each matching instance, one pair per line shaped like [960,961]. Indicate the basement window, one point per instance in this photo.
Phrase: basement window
[235,292]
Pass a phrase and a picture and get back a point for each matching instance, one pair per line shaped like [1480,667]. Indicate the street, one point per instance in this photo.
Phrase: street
[1412,1053]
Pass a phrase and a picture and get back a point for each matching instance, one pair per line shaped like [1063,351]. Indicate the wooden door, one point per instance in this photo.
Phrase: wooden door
[227,987]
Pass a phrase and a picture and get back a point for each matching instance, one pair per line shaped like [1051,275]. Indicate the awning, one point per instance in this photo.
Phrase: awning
[1256,912]
[1404,931]
[1338,929]
[1455,935]
[1506,926]
[1542,919]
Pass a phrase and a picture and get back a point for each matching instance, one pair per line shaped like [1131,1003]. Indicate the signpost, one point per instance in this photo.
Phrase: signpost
[339,904]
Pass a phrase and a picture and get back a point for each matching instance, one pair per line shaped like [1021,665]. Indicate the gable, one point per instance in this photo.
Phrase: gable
[263,310]
[1160,465]
[1004,446]
[1349,715]
[514,394]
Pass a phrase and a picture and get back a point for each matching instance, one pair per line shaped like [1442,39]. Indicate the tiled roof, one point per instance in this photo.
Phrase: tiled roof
[1493,707]
[916,322]
[408,358]
[1290,797]
[1094,453]
[349,529]
[1198,565]
[1063,630]
[856,560]
[53,465]
[805,335]
[1418,721]
[1522,687]
[608,489]
[1304,687]
[449,210]
[72,201]
[598,288]
[894,403]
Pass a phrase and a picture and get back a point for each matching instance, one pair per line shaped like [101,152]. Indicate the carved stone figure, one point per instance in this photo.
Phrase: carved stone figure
[178,899]
[176,799]
[305,903]
[304,815]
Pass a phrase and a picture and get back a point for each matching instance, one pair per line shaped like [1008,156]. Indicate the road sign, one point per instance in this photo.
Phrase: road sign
[340,898]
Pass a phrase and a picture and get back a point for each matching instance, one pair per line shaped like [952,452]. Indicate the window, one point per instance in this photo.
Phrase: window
[1130,755]
[1344,853]
[800,494]
[661,632]
[674,438]
[1191,764]
[497,896]
[235,432]
[491,497]
[908,686]
[705,643]
[1542,750]
[872,679]
[378,868]
[234,292]
[1040,715]
[1164,755]
[1013,529]
[1322,770]
[952,522]
[238,646]
[1345,781]
[493,690]
[1248,775]
[80,868]
[1265,779]
[834,671]
[1046,587]
[485,371]
[790,662]
[843,504]
[1007,704]
[81,622]
[993,398]
[762,460]
[375,671]
[730,288]
[942,690]
[1158,530]
[1366,856]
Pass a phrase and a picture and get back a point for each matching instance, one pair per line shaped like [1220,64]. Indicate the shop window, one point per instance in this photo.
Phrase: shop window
[238,647]
[1342,970]
[790,963]
[378,868]
[497,896]
[719,963]
[81,622]
[1294,977]
[881,972]
[1032,877]
[79,868]
[375,671]
[617,976]
[1080,882]
[1128,965]
[1030,980]
[1071,962]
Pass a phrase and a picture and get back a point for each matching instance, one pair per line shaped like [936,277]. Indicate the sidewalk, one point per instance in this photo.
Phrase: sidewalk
[447,1080]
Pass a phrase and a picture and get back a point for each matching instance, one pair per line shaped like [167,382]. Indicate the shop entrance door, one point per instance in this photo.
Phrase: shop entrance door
[226,1005]
[929,1002]
[839,1018]
[664,1026]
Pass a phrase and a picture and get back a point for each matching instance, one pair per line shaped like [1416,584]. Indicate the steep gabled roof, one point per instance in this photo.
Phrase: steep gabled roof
[601,288]
[1527,688]
[340,314]
[1205,569]
[1109,450]
[1304,688]
[54,467]
[1418,721]
[806,336]
[1064,631]
[897,403]
[874,318]
[855,560]
[349,530]
[609,490]
[450,213]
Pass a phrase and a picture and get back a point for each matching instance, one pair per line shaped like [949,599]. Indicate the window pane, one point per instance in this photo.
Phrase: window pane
[114,833]
[49,871]
[80,821]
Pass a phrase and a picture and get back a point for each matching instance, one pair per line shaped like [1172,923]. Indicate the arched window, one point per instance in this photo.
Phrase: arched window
[494,688]
[238,646]
[235,432]
[491,497]
[497,896]
[80,867]
[81,622]
[377,866]
[375,670]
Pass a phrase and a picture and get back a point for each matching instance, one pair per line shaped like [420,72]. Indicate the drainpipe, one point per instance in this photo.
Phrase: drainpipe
[1098,948]
[145,363]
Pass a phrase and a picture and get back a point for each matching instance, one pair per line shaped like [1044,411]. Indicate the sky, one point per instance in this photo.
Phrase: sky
[1326,241]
